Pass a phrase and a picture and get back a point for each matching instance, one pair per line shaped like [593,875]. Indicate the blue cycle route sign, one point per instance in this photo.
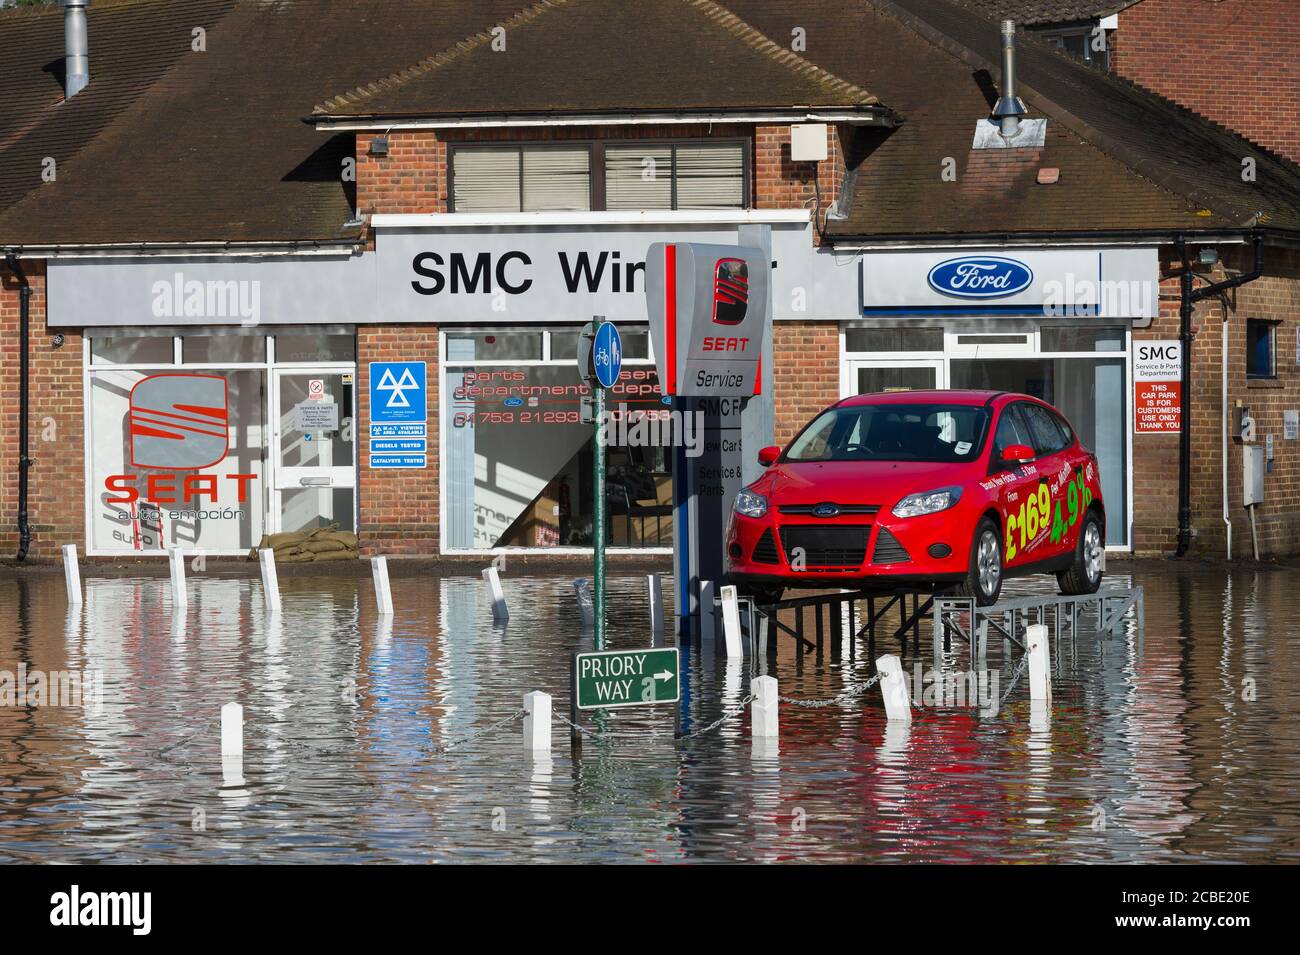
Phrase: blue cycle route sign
[607,355]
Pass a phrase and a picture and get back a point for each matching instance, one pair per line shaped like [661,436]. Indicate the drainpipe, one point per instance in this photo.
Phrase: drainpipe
[1187,298]
[24,462]
[1223,401]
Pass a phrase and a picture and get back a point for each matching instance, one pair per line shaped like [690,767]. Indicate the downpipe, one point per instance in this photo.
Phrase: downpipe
[1188,297]
[24,461]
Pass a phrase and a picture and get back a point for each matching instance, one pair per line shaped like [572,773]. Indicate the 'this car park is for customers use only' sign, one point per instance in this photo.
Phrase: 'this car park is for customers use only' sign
[1157,387]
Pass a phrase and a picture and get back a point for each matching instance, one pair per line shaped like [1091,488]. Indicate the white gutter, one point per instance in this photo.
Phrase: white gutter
[472,220]
[868,116]
[1044,241]
[215,250]
[1223,364]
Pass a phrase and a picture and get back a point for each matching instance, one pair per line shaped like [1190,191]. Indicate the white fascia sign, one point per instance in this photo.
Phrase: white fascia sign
[1048,283]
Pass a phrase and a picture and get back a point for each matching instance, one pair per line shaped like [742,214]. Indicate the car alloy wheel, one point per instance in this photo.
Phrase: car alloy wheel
[988,563]
[1092,552]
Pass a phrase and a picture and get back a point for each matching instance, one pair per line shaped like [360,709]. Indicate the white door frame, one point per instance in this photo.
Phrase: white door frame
[284,478]
[850,366]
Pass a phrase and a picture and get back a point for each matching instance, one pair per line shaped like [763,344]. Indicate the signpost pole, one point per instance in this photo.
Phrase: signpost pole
[599,520]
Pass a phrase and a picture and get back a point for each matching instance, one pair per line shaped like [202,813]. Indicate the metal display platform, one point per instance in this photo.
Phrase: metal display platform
[898,615]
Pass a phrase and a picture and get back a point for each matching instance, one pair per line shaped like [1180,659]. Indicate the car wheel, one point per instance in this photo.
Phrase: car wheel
[984,578]
[1084,575]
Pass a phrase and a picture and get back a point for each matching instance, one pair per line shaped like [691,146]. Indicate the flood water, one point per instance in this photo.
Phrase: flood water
[1179,746]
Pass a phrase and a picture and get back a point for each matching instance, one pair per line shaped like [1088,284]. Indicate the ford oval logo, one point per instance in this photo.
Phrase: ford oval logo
[980,276]
[513,402]
[825,510]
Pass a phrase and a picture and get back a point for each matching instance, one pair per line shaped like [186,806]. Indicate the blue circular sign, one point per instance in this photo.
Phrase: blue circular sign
[607,355]
[513,402]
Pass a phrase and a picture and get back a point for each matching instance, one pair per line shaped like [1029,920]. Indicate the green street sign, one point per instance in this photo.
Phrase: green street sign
[609,679]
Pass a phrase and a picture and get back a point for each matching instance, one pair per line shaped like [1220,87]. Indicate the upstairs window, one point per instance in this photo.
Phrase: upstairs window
[516,179]
[1261,348]
[679,176]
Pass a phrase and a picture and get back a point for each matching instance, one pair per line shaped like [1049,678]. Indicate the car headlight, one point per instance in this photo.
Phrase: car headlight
[928,502]
[750,504]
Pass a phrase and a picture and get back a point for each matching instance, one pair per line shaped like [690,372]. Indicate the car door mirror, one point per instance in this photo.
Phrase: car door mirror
[768,456]
[1017,453]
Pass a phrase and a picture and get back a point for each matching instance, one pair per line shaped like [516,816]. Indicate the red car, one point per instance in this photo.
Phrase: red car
[932,490]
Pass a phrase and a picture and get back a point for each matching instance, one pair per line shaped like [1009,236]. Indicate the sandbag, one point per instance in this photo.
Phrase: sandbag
[320,543]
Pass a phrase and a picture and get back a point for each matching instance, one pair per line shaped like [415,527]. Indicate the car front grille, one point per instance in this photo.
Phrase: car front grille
[843,508]
[765,549]
[826,545]
[888,549]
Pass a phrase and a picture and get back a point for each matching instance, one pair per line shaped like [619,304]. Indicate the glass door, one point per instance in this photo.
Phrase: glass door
[314,447]
[895,374]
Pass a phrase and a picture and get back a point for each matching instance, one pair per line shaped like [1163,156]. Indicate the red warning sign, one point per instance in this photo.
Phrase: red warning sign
[1157,387]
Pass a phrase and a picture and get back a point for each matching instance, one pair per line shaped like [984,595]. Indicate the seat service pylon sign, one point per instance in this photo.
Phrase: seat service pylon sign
[399,415]
[708,312]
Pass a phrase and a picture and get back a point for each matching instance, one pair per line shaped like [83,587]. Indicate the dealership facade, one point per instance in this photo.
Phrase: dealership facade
[378,320]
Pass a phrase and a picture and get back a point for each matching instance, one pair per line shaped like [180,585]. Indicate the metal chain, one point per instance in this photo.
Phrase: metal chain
[850,694]
[725,717]
[516,715]
[162,753]
[1015,678]
[595,734]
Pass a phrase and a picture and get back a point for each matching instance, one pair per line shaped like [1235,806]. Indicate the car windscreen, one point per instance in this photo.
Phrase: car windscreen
[894,432]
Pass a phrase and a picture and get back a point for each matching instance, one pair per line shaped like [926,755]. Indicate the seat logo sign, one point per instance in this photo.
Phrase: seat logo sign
[179,422]
[730,291]
[980,277]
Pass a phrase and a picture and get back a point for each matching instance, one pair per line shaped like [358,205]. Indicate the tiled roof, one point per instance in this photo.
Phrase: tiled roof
[1128,159]
[1042,12]
[168,145]
[585,56]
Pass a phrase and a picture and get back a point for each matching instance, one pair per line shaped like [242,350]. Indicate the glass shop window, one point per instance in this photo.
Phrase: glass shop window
[517,458]
[132,350]
[514,179]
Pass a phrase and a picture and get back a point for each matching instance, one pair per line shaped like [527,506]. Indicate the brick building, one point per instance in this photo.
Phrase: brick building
[324,191]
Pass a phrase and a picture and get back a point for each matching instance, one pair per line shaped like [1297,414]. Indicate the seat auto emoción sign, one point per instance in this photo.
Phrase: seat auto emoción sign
[178,425]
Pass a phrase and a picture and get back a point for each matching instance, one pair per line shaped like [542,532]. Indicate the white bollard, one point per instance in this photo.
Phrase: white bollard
[763,721]
[496,595]
[383,593]
[655,591]
[232,730]
[537,722]
[1040,676]
[177,558]
[586,604]
[72,574]
[708,619]
[731,622]
[893,687]
[270,580]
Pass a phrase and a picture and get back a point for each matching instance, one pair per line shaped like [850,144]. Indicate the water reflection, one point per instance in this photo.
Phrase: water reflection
[1180,747]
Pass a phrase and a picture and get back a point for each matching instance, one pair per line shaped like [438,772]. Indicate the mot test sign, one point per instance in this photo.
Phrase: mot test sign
[1157,387]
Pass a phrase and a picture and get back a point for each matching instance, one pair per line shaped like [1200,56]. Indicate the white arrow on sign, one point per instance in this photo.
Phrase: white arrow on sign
[664,675]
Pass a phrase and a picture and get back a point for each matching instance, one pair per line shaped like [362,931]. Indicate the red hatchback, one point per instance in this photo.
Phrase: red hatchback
[926,489]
